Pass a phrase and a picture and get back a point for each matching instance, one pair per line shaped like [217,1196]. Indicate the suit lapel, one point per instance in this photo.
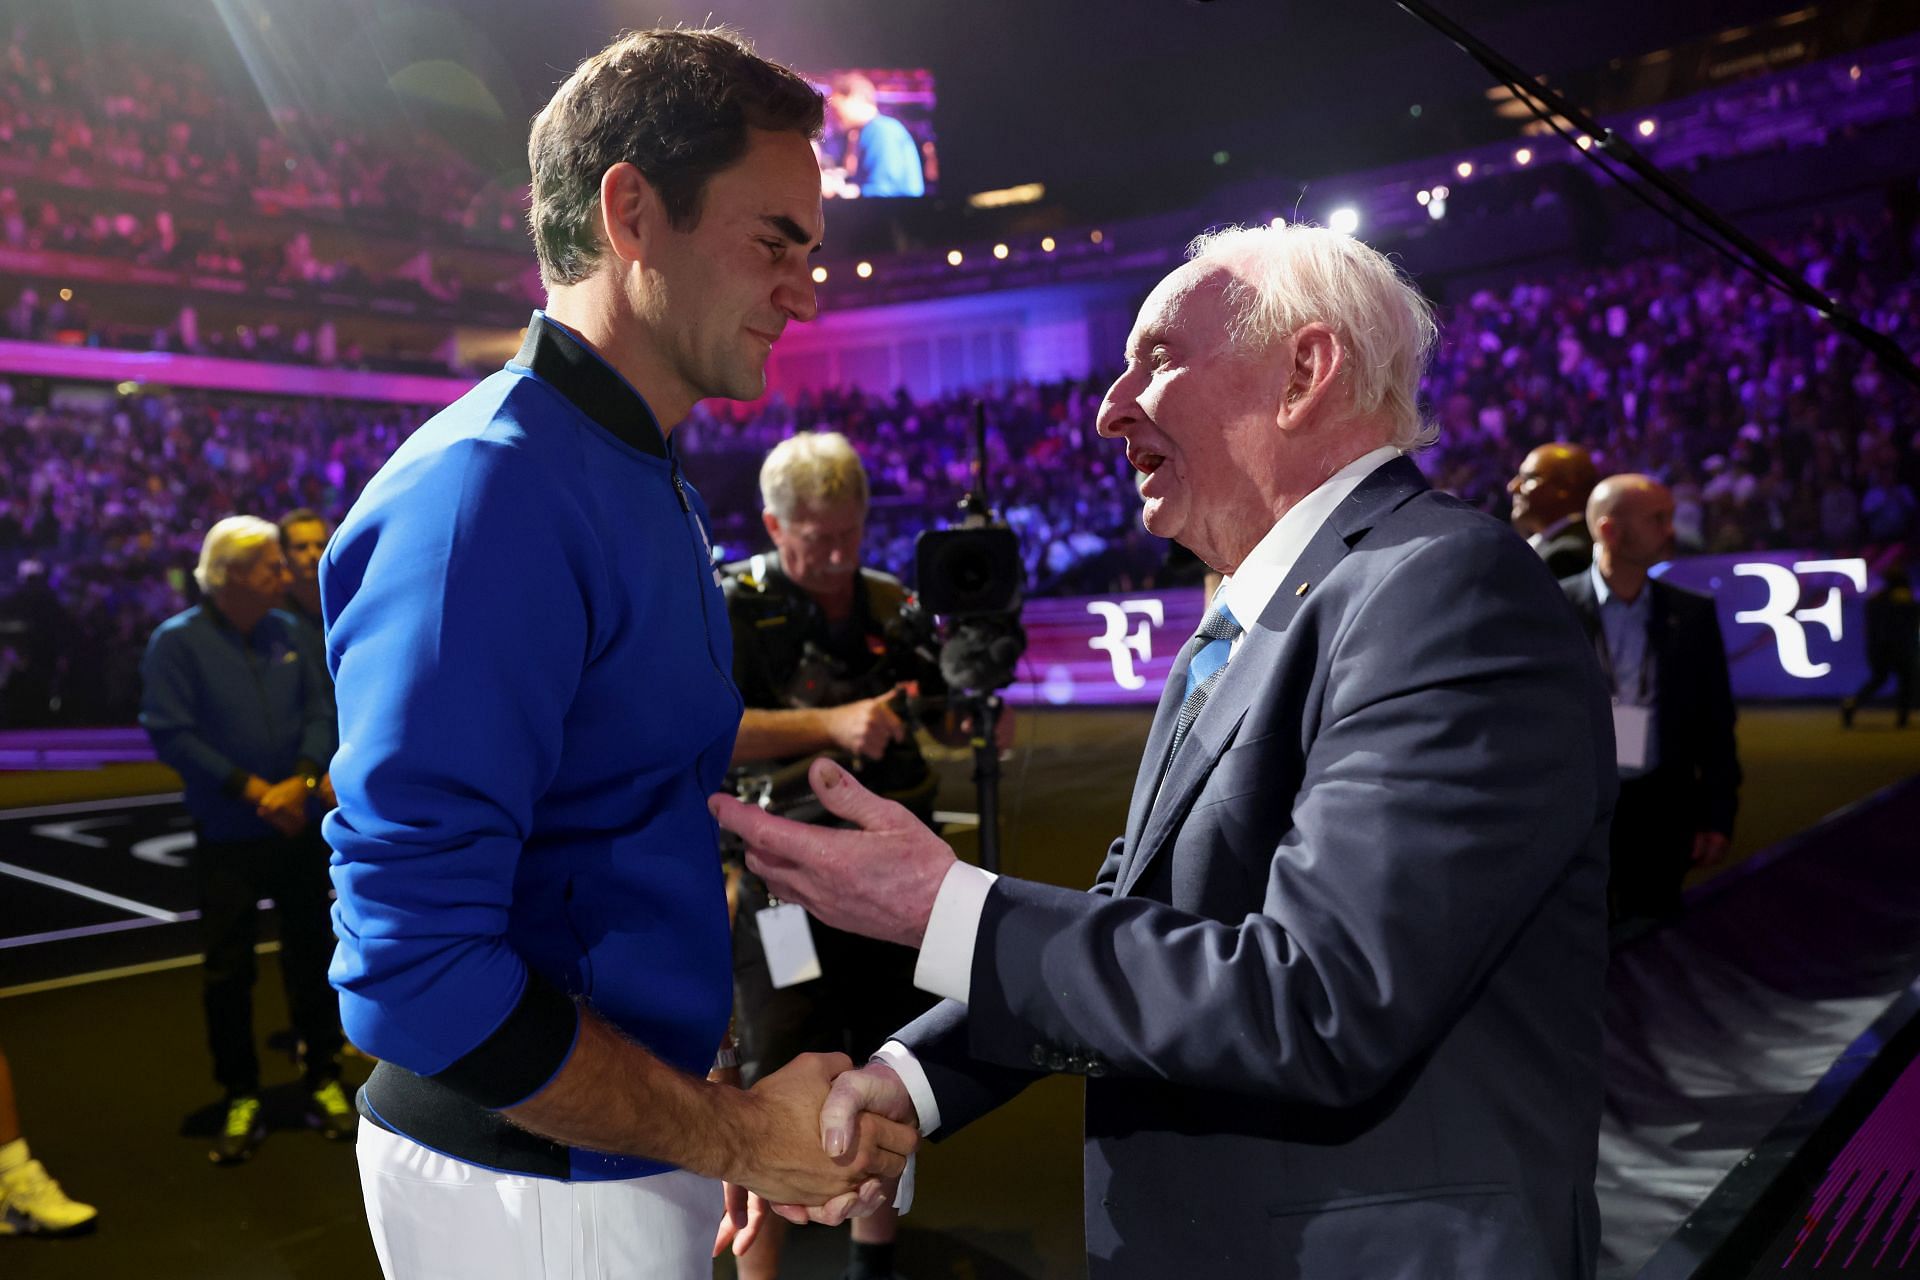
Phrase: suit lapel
[1156,749]
[1155,818]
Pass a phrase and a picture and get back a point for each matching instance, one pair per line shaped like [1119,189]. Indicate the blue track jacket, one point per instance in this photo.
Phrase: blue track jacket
[533,667]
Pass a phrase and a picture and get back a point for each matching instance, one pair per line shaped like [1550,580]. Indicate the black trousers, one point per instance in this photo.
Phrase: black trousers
[1652,847]
[231,879]
[1897,667]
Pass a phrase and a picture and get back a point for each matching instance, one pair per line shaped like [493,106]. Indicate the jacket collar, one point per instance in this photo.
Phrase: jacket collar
[559,358]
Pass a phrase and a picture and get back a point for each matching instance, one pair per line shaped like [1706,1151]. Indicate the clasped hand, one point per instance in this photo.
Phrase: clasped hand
[867,1121]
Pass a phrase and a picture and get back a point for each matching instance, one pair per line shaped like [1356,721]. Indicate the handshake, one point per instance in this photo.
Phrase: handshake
[820,1143]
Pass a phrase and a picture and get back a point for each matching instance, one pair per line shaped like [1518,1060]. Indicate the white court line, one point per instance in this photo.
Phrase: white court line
[949,818]
[90,806]
[90,930]
[127,971]
[97,895]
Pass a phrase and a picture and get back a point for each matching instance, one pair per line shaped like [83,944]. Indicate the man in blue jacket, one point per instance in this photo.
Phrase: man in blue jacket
[534,672]
[237,702]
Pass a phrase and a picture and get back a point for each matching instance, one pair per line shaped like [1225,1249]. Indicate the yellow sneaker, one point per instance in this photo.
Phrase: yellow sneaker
[32,1204]
[330,1111]
[240,1133]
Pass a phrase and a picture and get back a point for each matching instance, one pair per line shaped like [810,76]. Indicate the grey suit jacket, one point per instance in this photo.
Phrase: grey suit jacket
[1337,990]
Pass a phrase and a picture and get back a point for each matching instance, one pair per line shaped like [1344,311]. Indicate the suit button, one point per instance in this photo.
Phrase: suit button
[1039,1055]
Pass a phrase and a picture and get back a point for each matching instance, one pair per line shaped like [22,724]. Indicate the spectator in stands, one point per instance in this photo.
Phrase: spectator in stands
[36,639]
[31,1202]
[237,702]
[1549,505]
[1661,651]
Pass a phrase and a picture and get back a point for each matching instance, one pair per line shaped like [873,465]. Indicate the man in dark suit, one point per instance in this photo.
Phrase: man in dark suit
[1662,654]
[1337,989]
[1549,495]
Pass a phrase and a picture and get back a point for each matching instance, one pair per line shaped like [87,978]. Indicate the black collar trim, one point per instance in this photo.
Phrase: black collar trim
[561,360]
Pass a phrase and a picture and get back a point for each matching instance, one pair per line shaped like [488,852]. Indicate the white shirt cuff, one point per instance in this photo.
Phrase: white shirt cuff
[914,1076]
[945,967]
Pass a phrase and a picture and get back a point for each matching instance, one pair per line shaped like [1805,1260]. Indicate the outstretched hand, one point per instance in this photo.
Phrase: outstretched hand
[878,879]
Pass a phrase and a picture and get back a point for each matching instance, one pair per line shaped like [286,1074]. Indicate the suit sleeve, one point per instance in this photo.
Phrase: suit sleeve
[1454,776]
[458,643]
[169,715]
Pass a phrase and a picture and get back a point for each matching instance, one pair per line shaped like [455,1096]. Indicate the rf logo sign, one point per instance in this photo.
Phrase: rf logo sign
[1124,647]
[1789,624]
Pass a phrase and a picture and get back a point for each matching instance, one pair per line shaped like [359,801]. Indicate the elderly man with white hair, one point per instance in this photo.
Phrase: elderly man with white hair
[237,701]
[1336,990]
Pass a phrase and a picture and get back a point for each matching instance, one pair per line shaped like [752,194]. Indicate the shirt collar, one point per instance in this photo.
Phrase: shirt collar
[562,359]
[1603,595]
[1251,586]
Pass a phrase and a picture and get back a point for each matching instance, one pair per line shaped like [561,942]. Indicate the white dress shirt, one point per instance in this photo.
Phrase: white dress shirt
[945,967]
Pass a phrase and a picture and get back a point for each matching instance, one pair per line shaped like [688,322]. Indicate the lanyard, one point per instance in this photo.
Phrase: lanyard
[1604,650]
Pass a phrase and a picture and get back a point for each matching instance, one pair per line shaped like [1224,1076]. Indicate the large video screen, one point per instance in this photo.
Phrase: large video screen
[878,143]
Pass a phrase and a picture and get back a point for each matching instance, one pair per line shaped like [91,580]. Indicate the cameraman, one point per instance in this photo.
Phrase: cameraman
[825,653]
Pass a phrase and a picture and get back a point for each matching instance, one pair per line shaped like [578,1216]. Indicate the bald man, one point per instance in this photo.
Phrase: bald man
[1661,652]
[1549,499]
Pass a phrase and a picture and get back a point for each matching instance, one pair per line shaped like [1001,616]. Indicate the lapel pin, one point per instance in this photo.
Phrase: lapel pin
[1302,588]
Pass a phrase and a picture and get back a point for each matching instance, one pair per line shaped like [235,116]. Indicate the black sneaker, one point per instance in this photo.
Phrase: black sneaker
[329,1111]
[242,1132]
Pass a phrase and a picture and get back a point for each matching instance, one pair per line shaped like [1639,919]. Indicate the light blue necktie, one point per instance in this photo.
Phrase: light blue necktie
[1208,665]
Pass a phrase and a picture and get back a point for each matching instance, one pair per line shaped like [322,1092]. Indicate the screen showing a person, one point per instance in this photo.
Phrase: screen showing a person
[878,143]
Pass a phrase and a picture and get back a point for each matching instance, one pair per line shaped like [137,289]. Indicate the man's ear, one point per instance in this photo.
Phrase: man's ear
[772,522]
[631,212]
[1318,362]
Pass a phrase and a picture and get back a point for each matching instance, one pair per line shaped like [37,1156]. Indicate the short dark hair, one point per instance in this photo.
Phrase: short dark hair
[677,106]
[299,515]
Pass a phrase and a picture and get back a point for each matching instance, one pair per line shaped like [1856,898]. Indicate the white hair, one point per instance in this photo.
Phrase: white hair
[1291,275]
[233,541]
[812,469]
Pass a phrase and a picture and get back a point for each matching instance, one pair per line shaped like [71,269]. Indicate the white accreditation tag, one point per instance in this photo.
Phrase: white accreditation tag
[787,938]
[1632,726]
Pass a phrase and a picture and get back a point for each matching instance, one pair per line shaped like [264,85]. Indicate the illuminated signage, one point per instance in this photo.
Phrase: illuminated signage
[1792,622]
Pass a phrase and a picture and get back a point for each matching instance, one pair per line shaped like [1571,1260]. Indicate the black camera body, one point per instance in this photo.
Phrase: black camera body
[972,569]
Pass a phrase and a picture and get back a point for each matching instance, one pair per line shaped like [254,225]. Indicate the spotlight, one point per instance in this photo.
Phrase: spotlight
[1046,244]
[999,251]
[66,295]
[1584,142]
[1345,220]
[1423,196]
[819,275]
[1853,73]
[1277,221]
[1523,157]
[1441,193]
[864,270]
[1098,236]
[1464,168]
[955,257]
[1646,128]
[1437,210]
